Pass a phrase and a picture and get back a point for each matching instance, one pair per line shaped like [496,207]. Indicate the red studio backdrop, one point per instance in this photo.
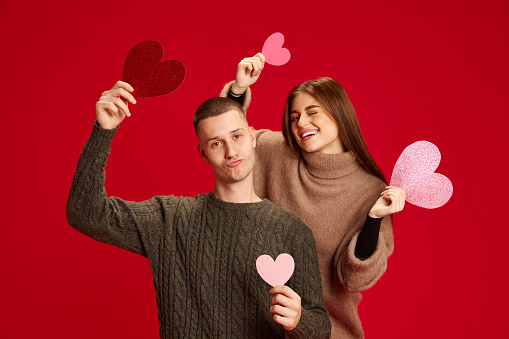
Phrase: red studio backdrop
[415,70]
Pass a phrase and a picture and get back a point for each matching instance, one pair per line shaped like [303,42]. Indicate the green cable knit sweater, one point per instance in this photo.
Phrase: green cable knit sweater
[202,252]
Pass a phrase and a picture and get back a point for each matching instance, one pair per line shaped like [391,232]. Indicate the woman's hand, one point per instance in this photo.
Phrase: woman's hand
[391,201]
[111,109]
[286,307]
[248,72]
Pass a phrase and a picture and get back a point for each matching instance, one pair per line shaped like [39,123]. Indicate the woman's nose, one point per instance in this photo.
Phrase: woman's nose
[303,120]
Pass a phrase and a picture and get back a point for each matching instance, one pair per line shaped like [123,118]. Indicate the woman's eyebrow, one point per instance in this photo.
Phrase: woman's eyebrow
[311,106]
[306,109]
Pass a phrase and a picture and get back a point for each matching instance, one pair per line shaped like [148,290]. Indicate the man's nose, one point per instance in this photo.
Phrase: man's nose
[230,150]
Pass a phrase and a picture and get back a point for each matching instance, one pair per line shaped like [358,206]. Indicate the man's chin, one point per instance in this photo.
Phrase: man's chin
[237,177]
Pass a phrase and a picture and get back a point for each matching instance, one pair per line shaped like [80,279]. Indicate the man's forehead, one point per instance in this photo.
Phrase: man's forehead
[224,124]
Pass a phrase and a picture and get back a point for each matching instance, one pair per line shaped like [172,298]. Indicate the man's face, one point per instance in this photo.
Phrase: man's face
[227,143]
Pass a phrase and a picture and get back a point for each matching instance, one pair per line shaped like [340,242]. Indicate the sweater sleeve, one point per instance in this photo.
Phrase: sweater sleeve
[125,224]
[244,100]
[358,275]
[306,282]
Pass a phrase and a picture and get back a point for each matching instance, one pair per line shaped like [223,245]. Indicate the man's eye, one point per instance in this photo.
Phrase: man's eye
[238,136]
[215,144]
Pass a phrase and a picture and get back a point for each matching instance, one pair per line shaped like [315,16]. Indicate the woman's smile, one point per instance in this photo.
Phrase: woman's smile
[313,128]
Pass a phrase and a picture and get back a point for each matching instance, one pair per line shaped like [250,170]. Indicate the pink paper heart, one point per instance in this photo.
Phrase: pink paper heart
[277,272]
[414,172]
[273,50]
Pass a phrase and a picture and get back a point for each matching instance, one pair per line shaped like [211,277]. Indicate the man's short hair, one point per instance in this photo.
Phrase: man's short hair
[214,107]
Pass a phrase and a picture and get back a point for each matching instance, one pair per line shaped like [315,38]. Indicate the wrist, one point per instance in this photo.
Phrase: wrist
[372,214]
[106,125]
[237,90]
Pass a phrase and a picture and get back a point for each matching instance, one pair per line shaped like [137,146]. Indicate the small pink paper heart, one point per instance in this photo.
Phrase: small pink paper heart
[277,272]
[414,172]
[273,50]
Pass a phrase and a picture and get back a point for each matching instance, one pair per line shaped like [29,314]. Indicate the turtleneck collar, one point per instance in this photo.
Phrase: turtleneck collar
[330,166]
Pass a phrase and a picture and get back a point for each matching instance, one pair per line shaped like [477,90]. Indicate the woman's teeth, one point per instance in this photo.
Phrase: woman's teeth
[308,134]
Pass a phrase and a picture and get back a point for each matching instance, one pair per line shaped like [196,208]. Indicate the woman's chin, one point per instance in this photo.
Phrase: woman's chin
[312,145]
[308,148]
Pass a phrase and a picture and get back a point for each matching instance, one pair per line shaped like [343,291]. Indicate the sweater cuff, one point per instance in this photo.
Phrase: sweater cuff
[240,99]
[101,138]
[359,275]
[247,95]
[302,330]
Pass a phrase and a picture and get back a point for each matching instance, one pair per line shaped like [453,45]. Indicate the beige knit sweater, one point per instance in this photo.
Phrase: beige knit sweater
[332,194]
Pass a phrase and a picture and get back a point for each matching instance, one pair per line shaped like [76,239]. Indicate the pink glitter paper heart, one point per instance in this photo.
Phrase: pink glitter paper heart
[277,272]
[414,172]
[273,50]
[149,76]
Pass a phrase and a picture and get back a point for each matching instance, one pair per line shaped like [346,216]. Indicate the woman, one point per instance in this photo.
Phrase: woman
[320,169]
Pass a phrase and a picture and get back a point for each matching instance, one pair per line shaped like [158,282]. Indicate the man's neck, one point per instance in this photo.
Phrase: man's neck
[239,192]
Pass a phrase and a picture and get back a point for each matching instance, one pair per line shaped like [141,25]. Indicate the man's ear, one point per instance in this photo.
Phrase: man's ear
[202,153]
[252,133]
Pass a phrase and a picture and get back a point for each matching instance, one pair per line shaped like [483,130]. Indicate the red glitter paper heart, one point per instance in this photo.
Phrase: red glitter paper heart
[149,76]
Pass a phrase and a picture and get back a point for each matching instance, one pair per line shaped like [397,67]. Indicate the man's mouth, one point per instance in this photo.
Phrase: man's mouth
[234,163]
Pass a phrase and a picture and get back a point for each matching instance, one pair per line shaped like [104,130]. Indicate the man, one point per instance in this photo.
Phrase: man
[203,250]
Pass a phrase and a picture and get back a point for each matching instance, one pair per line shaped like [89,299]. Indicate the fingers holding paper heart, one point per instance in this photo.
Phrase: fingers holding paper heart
[391,201]
[396,197]
[286,307]
[111,109]
[248,72]
[253,65]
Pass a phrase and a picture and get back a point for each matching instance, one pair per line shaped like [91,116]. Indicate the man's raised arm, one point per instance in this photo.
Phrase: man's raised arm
[124,224]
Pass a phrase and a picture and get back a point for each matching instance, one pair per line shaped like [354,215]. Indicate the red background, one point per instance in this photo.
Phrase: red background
[428,70]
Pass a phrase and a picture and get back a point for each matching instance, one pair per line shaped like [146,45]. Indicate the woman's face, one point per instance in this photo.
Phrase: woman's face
[313,127]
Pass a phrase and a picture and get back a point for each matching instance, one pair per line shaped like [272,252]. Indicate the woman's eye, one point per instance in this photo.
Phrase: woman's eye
[294,118]
[312,113]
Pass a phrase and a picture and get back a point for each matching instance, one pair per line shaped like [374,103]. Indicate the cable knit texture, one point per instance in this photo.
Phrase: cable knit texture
[332,194]
[202,252]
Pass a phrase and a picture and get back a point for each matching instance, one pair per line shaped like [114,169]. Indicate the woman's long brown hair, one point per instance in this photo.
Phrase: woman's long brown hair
[334,99]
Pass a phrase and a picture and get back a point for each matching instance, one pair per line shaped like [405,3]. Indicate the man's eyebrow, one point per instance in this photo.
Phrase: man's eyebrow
[212,139]
[238,129]
[234,131]
[306,109]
